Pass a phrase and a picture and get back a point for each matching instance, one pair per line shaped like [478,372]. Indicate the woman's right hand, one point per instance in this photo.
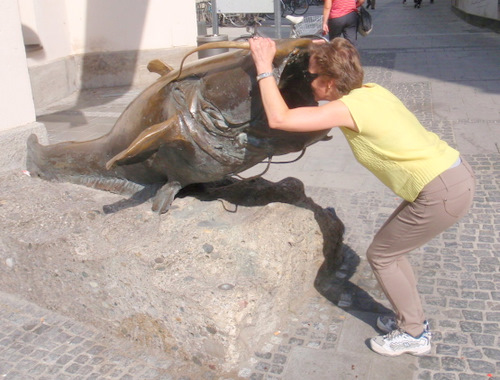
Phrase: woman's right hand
[326,30]
[263,51]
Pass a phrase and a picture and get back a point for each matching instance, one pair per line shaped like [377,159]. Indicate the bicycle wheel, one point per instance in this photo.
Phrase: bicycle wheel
[237,19]
[300,6]
[287,7]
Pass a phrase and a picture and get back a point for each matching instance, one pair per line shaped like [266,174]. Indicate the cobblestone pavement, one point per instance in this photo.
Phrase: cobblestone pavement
[38,344]
[445,71]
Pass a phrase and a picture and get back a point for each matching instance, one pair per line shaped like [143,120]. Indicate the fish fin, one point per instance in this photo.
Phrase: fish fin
[215,45]
[158,67]
[165,196]
[149,141]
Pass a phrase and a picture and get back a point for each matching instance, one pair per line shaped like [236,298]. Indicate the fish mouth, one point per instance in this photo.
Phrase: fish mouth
[291,59]
[294,84]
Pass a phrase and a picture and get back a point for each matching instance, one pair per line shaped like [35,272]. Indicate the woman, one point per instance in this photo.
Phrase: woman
[436,184]
[340,19]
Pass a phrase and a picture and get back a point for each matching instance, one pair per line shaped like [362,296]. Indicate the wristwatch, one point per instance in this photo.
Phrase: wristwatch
[263,75]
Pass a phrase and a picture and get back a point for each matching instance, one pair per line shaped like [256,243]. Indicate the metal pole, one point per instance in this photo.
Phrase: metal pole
[277,17]
[215,21]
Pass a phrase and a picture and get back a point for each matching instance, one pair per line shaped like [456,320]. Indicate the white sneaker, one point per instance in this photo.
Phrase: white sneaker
[398,342]
[386,324]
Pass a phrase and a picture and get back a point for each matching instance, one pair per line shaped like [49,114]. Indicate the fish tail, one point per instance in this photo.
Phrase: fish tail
[67,159]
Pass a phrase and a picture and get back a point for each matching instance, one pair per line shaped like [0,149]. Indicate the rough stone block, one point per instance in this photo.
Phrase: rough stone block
[151,278]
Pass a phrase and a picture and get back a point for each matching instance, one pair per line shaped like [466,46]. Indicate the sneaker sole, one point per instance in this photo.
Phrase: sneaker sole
[380,350]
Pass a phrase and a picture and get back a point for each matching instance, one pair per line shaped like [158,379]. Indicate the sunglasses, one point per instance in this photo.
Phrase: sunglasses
[309,77]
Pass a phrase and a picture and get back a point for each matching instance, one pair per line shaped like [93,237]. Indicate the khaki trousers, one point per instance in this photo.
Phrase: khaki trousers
[440,204]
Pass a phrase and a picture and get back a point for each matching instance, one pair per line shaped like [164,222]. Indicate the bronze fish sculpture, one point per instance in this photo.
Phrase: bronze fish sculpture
[198,124]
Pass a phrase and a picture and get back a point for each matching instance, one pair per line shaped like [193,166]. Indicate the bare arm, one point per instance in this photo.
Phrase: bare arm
[302,119]
[326,13]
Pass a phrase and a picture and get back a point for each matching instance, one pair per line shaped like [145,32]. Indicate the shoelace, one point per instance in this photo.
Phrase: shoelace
[398,332]
[394,334]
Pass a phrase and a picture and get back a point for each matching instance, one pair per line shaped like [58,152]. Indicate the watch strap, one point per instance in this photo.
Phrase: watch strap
[263,75]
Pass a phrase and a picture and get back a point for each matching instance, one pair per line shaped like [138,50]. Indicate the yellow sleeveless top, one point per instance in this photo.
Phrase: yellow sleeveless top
[392,143]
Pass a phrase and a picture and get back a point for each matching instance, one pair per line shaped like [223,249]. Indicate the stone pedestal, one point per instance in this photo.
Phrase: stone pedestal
[204,282]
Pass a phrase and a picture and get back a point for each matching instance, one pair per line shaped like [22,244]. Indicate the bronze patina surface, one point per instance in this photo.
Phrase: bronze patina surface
[198,124]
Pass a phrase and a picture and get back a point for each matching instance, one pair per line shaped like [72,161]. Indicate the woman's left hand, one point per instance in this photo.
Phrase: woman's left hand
[263,51]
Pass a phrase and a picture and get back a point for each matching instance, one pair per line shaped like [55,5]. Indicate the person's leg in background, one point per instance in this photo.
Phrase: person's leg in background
[345,26]
[335,27]
[350,31]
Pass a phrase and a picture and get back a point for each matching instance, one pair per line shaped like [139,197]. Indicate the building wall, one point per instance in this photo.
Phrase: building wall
[481,8]
[73,27]
[16,104]
[76,44]
[17,112]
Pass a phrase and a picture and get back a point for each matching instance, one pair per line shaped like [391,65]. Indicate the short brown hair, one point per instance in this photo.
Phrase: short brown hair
[339,60]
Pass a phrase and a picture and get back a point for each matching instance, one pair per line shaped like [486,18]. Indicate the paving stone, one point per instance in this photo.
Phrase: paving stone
[279,359]
[483,339]
[453,364]
[444,376]
[429,362]
[481,366]
[471,327]
[455,338]
[460,303]
[424,375]
[492,353]
[493,316]
[491,328]
[464,376]
[472,353]
[444,349]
